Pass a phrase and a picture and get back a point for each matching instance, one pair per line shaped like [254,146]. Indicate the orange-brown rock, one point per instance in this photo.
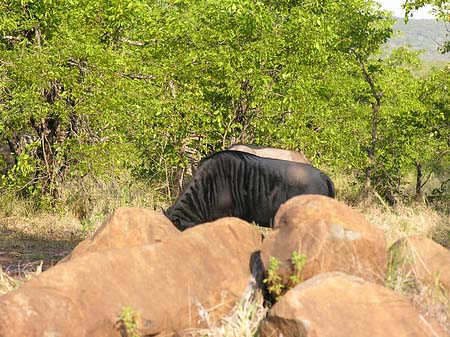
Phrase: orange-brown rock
[126,227]
[333,237]
[172,285]
[340,305]
[422,257]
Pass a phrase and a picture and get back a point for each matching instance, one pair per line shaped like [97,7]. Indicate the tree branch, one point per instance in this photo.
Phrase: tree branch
[136,43]
[140,76]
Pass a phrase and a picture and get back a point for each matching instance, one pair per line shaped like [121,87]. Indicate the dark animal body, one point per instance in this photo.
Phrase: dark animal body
[260,151]
[234,183]
[271,152]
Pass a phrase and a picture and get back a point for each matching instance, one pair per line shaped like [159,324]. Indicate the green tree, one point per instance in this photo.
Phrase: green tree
[403,123]
[52,82]
[435,95]
[111,85]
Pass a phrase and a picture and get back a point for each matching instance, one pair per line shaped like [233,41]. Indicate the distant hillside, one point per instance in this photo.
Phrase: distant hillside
[420,34]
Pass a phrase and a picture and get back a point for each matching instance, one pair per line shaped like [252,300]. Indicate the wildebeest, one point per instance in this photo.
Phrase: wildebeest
[234,183]
[271,152]
[260,151]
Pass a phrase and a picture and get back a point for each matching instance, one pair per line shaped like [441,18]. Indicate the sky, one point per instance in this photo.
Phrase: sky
[396,7]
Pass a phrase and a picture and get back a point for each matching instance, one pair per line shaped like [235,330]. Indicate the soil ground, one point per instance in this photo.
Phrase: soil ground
[25,248]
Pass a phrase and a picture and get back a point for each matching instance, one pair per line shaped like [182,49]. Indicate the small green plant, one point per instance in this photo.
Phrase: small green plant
[298,261]
[127,323]
[274,280]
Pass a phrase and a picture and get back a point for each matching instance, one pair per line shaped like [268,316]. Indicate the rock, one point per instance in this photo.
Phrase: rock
[173,286]
[422,257]
[126,227]
[339,305]
[331,235]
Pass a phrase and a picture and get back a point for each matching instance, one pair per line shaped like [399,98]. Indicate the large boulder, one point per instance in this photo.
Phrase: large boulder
[126,227]
[175,285]
[331,235]
[339,305]
[423,258]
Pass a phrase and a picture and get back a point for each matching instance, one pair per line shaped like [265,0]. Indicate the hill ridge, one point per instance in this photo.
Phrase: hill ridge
[420,34]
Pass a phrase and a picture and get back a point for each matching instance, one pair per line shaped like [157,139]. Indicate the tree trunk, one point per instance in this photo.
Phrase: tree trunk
[373,142]
[419,181]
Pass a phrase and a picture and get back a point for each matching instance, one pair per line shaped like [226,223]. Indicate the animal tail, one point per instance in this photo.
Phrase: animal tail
[331,190]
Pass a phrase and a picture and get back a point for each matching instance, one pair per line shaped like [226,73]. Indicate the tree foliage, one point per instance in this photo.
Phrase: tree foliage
[101,86]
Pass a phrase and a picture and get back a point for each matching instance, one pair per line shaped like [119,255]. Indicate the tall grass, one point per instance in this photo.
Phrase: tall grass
[84,202]
[404,220]
[92,200]
[428,296]
[414,219]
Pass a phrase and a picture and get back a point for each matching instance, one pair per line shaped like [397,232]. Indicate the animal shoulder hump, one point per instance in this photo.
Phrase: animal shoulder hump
[243,148]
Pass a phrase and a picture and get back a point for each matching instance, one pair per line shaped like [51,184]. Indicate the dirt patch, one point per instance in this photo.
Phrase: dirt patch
[25,247]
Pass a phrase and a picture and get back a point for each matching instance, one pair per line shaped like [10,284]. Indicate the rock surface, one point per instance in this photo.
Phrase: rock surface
[126,227]
[339,305]
[422,257]
[172,285]
[332,236]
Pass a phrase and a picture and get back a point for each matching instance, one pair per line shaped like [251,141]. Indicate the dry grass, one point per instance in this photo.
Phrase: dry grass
[91,200]
[26,241]
[9,283]
[432,301]
[243,320]
[403,220]
[86,206]
[42,225]
[31,241]
[34,239]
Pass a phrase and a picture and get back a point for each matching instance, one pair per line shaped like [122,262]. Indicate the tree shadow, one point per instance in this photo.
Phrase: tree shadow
[22,253]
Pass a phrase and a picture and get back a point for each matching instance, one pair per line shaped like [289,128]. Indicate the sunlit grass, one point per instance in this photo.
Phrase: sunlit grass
[242,321]
[404,220]
[429,296]
[9,283]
